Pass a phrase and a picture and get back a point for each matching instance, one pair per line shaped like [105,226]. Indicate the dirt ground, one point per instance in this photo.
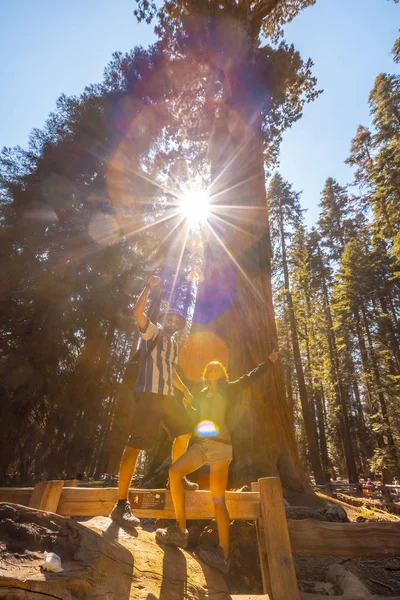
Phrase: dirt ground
[381,575]
[372,510]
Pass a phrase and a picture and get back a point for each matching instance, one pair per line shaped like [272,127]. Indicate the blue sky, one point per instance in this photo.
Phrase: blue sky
[50,48]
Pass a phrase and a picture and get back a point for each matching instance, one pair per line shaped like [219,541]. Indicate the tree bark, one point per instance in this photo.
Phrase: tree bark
[234,317]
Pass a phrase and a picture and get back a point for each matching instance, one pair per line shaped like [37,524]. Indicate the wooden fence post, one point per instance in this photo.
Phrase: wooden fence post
[281,570]
[46,495]
[262,550]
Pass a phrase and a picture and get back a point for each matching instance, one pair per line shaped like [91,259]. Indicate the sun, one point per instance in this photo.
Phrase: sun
[194,207]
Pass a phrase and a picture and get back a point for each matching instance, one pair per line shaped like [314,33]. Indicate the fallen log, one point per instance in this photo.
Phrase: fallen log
[313,538]
[346,583]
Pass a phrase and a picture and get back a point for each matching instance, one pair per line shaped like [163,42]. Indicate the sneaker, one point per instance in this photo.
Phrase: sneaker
[187,484]
[123,516]
[172,536]
[213,557]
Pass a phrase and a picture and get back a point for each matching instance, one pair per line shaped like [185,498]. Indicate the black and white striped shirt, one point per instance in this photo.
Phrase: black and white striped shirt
[155,372]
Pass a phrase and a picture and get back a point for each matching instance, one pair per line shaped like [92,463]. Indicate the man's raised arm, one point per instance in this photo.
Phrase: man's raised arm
[140,305]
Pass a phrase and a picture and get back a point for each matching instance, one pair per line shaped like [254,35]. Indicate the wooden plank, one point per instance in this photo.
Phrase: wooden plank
[313,538]
[280,560]
[87,494]
[85,509]
[99,501]
[46,495]
[71,483]
[305,596]
[251,597]
[262,550]
[16,495]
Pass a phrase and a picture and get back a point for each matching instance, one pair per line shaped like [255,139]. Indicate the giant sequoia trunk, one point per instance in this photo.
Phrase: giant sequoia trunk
[234,316]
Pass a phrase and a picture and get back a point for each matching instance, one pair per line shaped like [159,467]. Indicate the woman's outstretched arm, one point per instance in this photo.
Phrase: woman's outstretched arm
[255,374]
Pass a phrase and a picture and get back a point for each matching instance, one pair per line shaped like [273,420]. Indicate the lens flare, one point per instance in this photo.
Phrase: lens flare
[207,429]
[194,207]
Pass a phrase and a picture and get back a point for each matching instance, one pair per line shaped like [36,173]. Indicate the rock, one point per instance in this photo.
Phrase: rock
[317,587]
[393,564]
[100,561]
[299,513]
[334,513]
[346,583]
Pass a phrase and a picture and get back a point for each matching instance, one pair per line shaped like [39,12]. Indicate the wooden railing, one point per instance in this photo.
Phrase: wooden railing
[278,538]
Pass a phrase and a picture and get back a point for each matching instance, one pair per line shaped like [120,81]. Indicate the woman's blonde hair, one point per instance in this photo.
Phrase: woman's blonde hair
[216,362]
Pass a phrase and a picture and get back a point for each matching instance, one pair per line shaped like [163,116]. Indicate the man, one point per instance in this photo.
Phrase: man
[154,399]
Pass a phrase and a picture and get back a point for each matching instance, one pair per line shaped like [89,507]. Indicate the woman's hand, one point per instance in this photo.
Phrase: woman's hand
[273,357]
[187,398]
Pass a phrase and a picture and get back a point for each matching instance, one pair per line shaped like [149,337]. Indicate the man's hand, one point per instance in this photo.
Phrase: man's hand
[154,281]
[273,357]
[140,306]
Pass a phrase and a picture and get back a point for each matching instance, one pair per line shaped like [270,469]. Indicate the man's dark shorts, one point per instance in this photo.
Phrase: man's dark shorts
[152,410]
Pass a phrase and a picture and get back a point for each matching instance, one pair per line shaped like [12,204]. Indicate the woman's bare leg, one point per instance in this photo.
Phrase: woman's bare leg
[218,481]
[179,446]
[189,462]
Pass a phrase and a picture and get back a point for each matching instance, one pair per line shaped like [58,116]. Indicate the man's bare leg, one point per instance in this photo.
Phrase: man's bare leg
[122,513]
[126,470]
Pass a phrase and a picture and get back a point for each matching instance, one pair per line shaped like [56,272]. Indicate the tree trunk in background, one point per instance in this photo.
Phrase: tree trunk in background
[289,388]
[387,473]
[234,317]
[390,332]
[341,395]
[323,448]
[308,417]
[316,394]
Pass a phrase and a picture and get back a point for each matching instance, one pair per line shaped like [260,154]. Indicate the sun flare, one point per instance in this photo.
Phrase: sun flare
[194,207]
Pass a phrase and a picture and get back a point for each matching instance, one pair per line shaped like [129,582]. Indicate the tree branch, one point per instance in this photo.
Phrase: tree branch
[263,9]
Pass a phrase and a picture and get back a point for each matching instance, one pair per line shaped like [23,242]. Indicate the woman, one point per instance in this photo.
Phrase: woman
[211,444]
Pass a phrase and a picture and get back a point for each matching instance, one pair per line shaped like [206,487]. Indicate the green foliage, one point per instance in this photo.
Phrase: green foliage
[75,254]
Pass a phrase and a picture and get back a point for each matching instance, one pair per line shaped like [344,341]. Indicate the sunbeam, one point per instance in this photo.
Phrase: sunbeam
[213,215]
[178,266]
[152,224]
[235,262]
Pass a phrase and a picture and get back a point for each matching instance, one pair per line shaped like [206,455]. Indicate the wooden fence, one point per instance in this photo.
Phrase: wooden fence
[278,538]
[359,489]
